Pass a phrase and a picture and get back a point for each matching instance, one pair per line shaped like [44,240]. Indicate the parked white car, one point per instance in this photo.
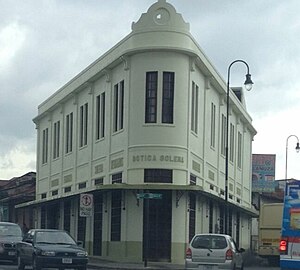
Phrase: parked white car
[213,252]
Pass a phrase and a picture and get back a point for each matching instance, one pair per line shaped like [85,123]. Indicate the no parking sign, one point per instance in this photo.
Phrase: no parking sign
[86,205]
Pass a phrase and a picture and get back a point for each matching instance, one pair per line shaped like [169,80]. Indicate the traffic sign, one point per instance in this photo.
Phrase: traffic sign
[86,205]
[149,196]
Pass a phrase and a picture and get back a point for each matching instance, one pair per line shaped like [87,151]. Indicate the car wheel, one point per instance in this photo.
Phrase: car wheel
[35,265]
[21,265]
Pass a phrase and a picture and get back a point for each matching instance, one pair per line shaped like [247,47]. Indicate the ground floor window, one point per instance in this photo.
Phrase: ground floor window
[221,218]
[81,227]
[211,216]
[43,217]
[53,216]
[237,229]
[230,222]
[67,215]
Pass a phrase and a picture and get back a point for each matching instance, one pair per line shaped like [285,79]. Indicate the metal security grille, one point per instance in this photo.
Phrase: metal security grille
[98,216]
[192,216]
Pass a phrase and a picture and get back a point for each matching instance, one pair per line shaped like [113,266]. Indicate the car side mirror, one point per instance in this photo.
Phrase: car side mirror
[80,243]
[242,250]
[28,240]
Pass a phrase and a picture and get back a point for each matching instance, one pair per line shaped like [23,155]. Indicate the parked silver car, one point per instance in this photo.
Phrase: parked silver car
[213,252]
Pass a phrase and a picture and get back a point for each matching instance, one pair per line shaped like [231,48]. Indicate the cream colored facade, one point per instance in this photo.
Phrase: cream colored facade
[111,148]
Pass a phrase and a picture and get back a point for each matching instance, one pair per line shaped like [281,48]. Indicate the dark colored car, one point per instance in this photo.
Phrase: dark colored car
[10,235]
[45,248]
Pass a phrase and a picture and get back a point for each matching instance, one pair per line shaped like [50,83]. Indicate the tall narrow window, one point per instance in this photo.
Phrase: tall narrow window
[168,97]
[223,135]
[115,224]
[194,116]
[100,116]
[56,137]
[45,146]
[69,133]
[151,97]
[83,125]
[231,153]
[213,125]
[239,157]
[118,106]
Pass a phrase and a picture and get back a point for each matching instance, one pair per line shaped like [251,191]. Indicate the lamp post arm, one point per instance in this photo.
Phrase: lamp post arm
[286,152]
[228,72]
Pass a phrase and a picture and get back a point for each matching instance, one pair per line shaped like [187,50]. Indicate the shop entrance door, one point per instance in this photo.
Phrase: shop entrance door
[159,227]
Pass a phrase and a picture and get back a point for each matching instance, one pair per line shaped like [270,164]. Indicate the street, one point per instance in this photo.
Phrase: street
[9,266]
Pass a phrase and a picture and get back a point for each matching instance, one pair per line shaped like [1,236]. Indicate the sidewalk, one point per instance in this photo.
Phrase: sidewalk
[96,263]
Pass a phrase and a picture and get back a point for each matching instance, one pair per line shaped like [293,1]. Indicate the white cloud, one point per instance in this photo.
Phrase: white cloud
[12,37]
[19,160]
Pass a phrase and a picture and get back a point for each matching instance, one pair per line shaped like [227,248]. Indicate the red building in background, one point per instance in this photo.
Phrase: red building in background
[16,191]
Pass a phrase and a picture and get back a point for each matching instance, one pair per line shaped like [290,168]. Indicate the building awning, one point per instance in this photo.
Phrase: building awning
[145,186]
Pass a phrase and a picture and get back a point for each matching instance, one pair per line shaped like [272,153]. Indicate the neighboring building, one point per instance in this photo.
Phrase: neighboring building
[266,192]
[147,116]
[16,191]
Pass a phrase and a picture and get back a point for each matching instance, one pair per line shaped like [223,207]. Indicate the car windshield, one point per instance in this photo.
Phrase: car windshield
[54,237]
[10,230]
[209,242]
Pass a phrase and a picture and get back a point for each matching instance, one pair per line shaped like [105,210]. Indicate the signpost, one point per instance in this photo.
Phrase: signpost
[146,196]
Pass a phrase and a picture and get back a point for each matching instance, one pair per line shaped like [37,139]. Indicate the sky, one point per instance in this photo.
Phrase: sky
[45,43]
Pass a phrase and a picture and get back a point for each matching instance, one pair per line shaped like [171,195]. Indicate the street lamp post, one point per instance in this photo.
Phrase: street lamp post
[248,85]
[286,151]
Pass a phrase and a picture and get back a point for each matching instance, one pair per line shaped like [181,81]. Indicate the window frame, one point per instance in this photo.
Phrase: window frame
[45,145]
[151,96]
[100,116]
[168,89]
[69,133]
[232,141]
[118,106]
[213,125]
[194,107]
[56,139]
[83,125]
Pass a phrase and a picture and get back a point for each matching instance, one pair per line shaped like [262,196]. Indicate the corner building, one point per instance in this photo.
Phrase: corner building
[148,116]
